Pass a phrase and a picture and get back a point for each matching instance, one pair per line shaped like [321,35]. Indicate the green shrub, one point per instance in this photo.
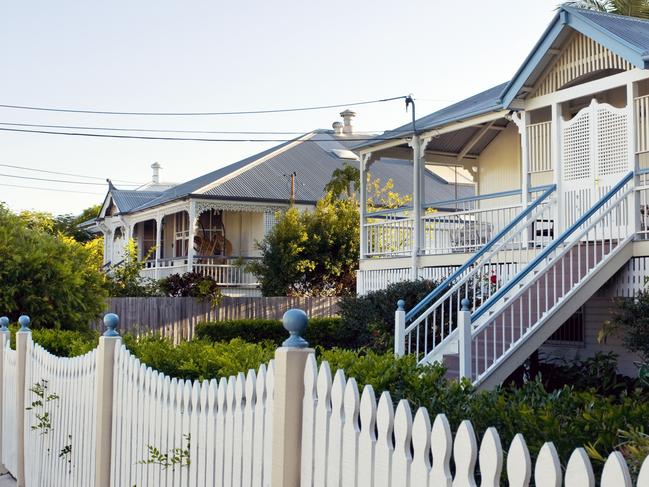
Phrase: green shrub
[62,343]
[200,359]
[323,332]
[371,317]
[191,284]
[631,320]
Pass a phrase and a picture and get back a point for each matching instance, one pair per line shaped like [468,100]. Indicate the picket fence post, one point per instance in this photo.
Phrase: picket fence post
[290,361]
[108,344]
[400,329]
[5,336]
[22,336]
[464,324]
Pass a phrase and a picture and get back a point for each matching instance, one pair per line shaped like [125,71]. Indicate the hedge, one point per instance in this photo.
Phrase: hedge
[322,332]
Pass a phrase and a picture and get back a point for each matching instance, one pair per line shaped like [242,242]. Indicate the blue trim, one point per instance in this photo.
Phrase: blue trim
[482,309]
[533,59]
[642,171]
[442,287]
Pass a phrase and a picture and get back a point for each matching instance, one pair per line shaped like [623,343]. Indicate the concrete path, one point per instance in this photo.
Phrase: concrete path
[7,481]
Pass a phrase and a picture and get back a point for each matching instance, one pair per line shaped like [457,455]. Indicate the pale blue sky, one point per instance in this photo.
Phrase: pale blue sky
[170,55]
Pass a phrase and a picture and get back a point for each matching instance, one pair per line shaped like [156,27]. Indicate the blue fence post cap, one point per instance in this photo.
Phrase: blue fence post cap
[295,322]
[24,321]
[465,305]
[111,320]
[4,321]
[401,305]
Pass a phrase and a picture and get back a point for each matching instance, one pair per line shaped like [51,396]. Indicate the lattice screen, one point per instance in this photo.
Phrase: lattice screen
[577,150]
[612,140]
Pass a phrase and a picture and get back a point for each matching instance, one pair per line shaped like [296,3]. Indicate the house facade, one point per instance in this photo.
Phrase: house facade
[558,225]
[212,224]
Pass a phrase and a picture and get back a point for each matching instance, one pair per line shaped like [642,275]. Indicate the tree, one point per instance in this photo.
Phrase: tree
[124,279]
[67,224]
[631,8]
[54,279]
[345,180]
[311,253]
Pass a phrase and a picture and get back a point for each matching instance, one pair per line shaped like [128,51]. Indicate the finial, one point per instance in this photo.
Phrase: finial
[401,305]
[24,322]
[4,321]
[111,320]
[295,322]
[465,305]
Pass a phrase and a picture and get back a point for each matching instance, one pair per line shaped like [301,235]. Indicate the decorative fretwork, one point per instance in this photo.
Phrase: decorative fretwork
[204,205]
[577,152]
[580,56]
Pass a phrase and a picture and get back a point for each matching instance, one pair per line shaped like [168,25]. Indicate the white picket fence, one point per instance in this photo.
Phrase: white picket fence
[352,442]
[287,424]
[224,427]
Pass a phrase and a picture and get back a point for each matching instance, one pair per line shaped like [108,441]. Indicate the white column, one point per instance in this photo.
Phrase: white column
[416,204]
[556,164]
[290,360]
[5,337]
[364,166]
[400,329]
[158,242]
[464,325]
[22,337]
[634,207]
[108,344]
[190,243]
[521,120]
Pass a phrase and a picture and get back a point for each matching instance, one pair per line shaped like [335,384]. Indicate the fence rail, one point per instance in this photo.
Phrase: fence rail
[286,425]
[177,317]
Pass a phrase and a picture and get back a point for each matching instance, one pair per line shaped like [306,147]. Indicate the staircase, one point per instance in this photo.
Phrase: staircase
[516,311]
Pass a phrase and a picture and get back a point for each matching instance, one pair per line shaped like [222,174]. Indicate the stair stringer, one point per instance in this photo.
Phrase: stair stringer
[552,320]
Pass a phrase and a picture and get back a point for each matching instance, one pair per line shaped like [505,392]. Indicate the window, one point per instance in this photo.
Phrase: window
[148,238]
[572,331]
[181,231]
[270,220]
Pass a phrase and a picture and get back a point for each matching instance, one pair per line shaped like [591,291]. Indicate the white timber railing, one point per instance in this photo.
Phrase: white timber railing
[455,226]
[226,271]
[520,307]
[539,147]
[641,106]
[433,321]
[289,424]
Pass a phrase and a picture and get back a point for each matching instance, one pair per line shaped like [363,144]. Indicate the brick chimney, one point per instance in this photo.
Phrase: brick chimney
[155,176]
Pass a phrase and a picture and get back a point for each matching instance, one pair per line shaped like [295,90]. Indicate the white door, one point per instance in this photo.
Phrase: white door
[594,149]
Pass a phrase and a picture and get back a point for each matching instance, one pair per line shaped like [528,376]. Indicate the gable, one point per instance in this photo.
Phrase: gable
[580,59]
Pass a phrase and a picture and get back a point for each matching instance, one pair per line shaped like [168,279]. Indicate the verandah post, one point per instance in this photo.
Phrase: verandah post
[400,329]
[22,336]
[5,337]
[108,343]
[464,324]
[290,360]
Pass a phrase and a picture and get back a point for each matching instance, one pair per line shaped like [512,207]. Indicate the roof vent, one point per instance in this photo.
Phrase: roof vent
[338,128]
[155,177]
[347,115]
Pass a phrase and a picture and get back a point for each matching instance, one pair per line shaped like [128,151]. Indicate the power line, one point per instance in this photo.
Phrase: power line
[49,189]
[66,181]
[119,129]
[68,174]
[184,114]
[182,139]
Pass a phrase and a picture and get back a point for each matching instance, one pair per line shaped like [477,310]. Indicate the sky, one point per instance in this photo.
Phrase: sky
[198,56]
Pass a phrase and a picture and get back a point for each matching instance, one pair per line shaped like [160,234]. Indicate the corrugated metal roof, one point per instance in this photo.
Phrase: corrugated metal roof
[129,199]
[312,159]
[633,30]
[484,102]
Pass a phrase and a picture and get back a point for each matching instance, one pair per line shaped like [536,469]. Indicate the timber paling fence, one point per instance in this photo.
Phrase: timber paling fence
[177,317]
[104,419]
